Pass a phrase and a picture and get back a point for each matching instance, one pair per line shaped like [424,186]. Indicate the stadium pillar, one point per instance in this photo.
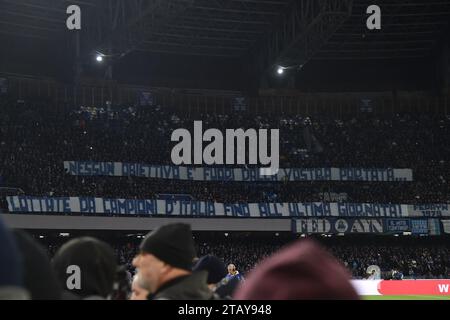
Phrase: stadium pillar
[442,70]
[109,69]
[77,67]
[443,66]
[446,69]
[77,63]
[264,81]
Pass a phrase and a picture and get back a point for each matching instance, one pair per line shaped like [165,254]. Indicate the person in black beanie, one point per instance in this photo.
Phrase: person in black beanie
[11,267]
[164,265]
[215,267]
[85,268]
[39,277]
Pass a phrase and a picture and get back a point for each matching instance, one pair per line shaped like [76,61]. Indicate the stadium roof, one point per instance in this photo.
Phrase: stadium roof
[237,27]
[260,33]
[410,29]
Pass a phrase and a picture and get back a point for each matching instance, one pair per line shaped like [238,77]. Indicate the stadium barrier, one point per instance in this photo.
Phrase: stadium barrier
[118,169]
[55,222]
[402,287]
[178,207]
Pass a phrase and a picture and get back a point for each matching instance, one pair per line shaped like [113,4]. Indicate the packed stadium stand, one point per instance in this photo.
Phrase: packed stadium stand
[415,258]
[87,170]
[133,134]
[142,135]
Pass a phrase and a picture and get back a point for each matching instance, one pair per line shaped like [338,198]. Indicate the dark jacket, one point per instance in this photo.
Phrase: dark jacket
[39,277]
[97,264]
[190,287]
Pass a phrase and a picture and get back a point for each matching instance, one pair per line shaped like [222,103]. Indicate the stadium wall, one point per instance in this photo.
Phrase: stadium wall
[221,101]
[27,221]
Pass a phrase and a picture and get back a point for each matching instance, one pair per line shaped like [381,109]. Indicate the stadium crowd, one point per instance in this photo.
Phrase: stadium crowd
[166,264]
[414,258]
[35,138]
